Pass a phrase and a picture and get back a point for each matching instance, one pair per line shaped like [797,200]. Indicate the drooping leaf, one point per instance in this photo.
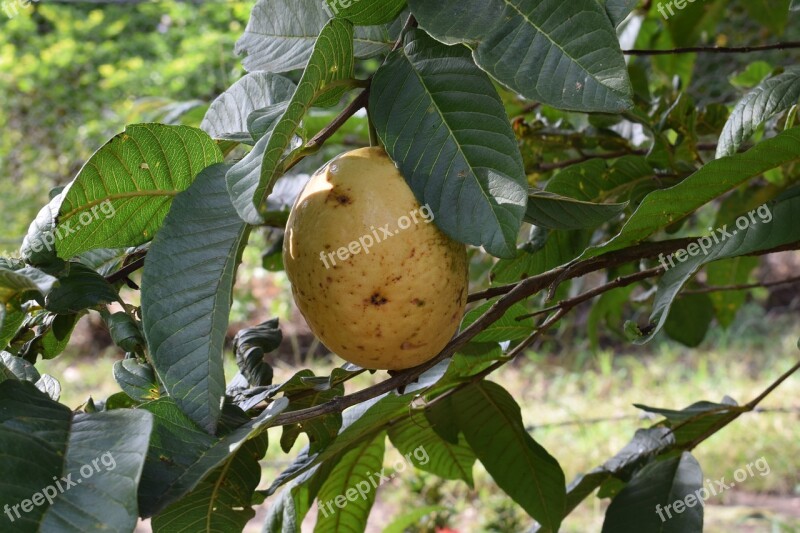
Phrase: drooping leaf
[776,224]
[656,486]
[251,180]
[81,288]
[352,479]
[774,95]
[136,379]
[251,345]
[554,211]
[187,288]
[492,424]
[89,464]
[182,455]
[664,207]
[564,54]
[281,35]
[122,194]
[456,149]
[227,117]
[689,319]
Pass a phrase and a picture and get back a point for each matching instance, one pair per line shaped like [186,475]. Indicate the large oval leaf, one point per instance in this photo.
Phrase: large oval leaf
[565,54]
[186,294]
[122,194]
[442,121]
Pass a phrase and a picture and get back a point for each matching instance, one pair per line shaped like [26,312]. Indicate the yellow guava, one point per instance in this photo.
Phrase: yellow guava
[377,281]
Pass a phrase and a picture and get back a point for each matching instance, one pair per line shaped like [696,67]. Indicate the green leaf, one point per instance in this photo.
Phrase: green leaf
[774,14]
[182,455]
[321,430]
[280,35]
[507,328]
[774,95]
[227,117]
[19,368]
[347,495]
[81,288]
[223,499]
[24,284]
[187,288]
[776,225]
[411,518]
[136,379]
[250,181]
[122,194]
[38,246]
[421,445]
[366,12]
[11,319]
[618,10]
[656,486]
[560,248]
[564,54]
[100,454]
[554,211]
[125,332]
[665,207]
[251,345]
[645,444]
[492,424]
[734,271]
[456,149]
[696,420]
[689,319]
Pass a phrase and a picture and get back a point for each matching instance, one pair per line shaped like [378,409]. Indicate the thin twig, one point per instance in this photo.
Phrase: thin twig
[743,287]
[714,49]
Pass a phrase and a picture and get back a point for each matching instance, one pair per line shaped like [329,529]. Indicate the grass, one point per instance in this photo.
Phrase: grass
[558,392]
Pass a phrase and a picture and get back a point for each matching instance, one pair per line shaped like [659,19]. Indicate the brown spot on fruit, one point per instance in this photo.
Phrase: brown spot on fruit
[418,302]
[339,197]
[377,299]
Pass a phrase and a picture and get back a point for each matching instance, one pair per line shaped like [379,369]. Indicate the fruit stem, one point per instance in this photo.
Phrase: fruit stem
[374,140]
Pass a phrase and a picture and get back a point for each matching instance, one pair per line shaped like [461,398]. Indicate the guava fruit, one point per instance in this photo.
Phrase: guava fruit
[377,281]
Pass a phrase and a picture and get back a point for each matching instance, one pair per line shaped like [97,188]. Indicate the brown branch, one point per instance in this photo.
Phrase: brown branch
[714,49]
